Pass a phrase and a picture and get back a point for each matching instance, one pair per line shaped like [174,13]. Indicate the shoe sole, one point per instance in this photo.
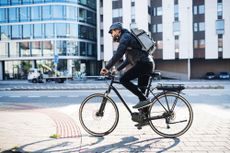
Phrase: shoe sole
[143,106]
[143,124]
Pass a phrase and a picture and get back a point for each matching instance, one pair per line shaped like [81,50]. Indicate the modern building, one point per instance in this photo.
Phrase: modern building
[59,33]
[192,36]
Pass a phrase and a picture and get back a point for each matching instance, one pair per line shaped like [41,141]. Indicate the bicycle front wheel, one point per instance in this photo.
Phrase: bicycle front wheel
[174,113]
[95,122]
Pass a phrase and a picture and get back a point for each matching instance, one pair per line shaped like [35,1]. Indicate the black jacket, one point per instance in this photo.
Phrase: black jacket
[129,46]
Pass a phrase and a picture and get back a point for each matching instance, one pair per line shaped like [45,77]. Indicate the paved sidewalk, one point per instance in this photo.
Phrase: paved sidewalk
[28,129]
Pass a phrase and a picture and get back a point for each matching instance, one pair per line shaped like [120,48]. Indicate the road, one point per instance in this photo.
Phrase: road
[219,97]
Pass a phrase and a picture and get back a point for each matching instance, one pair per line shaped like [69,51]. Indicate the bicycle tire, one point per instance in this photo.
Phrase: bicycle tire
[182,113]
[93,124]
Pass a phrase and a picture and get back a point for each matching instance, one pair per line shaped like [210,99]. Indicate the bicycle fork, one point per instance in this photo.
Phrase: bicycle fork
[102,106]
[103,103]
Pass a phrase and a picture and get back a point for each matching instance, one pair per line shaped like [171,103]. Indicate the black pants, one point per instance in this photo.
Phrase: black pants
[141,71]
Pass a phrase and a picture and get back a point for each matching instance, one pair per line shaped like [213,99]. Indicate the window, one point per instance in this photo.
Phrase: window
[176,44]
[48,48]
[46,12]
[117,13]
[73,30]
[201,9]
[159,27]
[195,10]
[201,26]
[159,11]
[24,14]
[13,14]
[220,42]
[49,30]
[13,2]
[82,15]
[219,10]
[27,1]
[37,1]
[176,13]
[4,2]
[90,49]
[37,31]
[101,33]
[61,47]
[159,44]
[132,13]
[3,15]
[202,43]
[86,32]
[61,30]
[58,12]
[154,29]
[26,31]
[71,12]
[82,48]
[36,48]
[5,32]
[16,32]
[24,48]
[195,44]
[175,1]
[36,13]
[219,26]
[195,27]
[176,26]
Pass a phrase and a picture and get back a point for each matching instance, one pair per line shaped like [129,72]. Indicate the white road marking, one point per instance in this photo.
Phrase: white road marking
[14,96]
[73,96]
[53,96]
[33,96]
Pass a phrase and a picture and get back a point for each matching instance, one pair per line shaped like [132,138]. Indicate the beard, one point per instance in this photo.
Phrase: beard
[116,38]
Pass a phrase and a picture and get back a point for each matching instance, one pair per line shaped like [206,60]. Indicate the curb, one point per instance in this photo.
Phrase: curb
[95,88]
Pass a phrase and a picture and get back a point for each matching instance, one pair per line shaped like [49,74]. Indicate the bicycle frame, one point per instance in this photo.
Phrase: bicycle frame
[111,87]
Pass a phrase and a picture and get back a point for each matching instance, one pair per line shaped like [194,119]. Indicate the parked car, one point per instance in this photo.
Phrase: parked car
[223,75]
[210,75]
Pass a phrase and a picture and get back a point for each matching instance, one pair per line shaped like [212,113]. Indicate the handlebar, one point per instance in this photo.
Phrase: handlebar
[111,76]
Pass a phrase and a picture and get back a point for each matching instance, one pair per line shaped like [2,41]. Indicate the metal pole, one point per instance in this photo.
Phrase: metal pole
[188,64]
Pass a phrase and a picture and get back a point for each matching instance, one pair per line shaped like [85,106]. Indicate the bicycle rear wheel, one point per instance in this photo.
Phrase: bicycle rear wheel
[98,124]
[177,112]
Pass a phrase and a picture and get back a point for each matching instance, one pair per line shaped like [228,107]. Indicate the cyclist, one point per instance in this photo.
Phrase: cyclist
[141,63]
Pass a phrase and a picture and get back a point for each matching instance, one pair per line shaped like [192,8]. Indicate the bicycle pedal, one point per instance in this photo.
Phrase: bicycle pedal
[139,127]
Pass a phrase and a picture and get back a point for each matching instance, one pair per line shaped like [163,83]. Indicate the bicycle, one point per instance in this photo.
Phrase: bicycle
[169,114]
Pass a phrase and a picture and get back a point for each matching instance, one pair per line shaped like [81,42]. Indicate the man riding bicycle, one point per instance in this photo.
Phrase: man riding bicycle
[141,63]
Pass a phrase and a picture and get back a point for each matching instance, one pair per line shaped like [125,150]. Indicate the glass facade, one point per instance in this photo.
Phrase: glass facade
[44,28]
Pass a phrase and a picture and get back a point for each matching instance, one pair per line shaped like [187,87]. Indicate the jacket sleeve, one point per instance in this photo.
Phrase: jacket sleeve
[122,65]
[120,51]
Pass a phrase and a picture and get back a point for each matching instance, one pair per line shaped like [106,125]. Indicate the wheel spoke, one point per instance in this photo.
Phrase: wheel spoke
[177,121]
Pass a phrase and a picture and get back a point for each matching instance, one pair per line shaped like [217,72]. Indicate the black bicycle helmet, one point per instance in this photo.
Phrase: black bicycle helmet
[116,25]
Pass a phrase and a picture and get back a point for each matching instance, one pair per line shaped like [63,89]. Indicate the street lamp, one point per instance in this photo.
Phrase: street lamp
[188,45]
